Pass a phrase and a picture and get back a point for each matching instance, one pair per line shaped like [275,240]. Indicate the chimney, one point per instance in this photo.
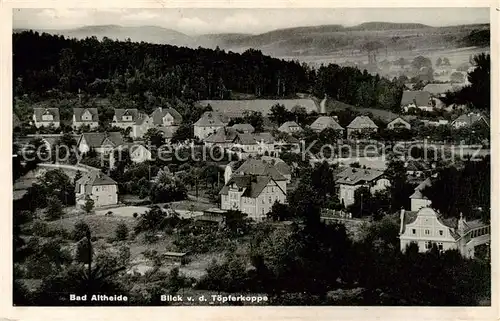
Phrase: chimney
[461,225]
[322,106]
[402,219]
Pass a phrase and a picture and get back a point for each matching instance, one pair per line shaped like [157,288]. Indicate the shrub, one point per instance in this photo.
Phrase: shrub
[121,232]
[80,230]
[40,228]
[135,215]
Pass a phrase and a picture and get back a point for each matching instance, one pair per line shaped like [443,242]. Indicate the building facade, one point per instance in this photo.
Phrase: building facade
[99,187]
[85,116]
[209,123]
[46,117]
[351,179]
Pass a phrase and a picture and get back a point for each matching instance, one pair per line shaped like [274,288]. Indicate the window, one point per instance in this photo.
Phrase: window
[272,189]
[441,232]
[270,199]
[440,246]
[428,245]
[427,232]
[413,231]
[262,211]
[263,202]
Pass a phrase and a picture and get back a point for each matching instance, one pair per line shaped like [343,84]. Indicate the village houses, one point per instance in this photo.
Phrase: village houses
[85,117]
[138,122]
[416,99]
[470,119]
[349,180]
[139,153]
[102,143]
[290,127]
[253,188]
[324,122]
[97,186]
[361,124]
[209,123]
[398,123]
[426,228]
[417,199]
[46,117]
[243,128]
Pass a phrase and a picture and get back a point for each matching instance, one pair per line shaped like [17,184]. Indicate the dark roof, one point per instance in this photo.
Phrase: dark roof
[254,166]
[285,127]
[222,135]
[160,112]
[93,178]
[437,89]
[212,118]
[119,113]
[324,122]
[245,139]
[420,98]
[264,137]
[39,111]
[251,185]
[399,120]
[356,176]
[95,140]
[78,112]
[244,128]
[361,122]
[418,190]
[471,118]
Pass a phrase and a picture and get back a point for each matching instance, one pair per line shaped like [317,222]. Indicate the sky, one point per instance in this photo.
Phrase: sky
[201,21]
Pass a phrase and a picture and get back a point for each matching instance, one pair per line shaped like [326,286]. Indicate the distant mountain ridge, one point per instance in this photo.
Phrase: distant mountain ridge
[305,40]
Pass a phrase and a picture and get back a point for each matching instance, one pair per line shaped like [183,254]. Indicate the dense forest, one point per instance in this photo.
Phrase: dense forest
[103,68]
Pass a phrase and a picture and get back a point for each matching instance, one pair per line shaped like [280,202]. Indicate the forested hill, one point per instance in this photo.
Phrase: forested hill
[44,63]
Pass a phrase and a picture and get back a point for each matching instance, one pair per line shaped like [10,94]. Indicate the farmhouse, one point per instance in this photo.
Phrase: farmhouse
[324,122]
[139,153]
[132,118]
[243,128]
[252,194]
[290,127]
[349,180]
[237,108]
[470,119]
[99,187]
[427,228]
[416,99]
[85,116]
[361,124]
[102,143]
[223,137]
[209,123]
[166,117]
[46,117]
[399,123]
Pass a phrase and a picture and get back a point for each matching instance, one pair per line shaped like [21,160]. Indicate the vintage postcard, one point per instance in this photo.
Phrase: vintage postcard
[329,157]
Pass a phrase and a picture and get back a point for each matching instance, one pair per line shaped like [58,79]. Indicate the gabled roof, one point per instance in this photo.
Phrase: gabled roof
[212,118]
[245,139]
[248,128]
[417,194]
[285,127]
[119,113]
[399,120]
[93,178]
[141,117]
[264,137]
[237,108]
[222,135]
[78,113]
[251,185]
[471,118]
[40,111]
[160,112]
[259,167]
[361,122]
[419,98]
[95,140]
[357,176]
[324,122]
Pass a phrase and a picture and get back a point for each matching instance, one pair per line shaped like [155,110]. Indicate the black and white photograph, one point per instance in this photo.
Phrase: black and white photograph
[251,157]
